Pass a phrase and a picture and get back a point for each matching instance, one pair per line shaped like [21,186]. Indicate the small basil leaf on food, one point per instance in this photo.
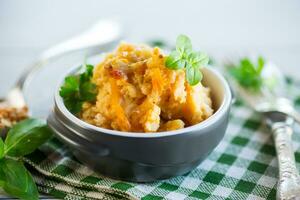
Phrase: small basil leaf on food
[1,148]
[16,180]
[203,59]
[175,55]
[193,57]
[180,64]
[174,61]
[193,75]
[27,135]
[174,64]
[171,63]
[183,44]
[185,57]
[198,59]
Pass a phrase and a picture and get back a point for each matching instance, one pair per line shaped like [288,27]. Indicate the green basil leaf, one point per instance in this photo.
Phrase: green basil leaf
[1,148]
[248,75]
[175,55]
[198,59]
[185,58]
[193,75]
[27,135]
[180,64]
[183,44]
[260,63]
[174,61]
[1,181]
[2,175]
[16,180]
[171,62]
[247,66]
[174,64]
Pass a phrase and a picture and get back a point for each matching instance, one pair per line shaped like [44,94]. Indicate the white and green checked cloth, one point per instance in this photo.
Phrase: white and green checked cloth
[243,166]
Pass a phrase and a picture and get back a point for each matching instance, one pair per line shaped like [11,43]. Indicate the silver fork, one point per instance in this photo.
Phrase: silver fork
[279,114]
[101,36]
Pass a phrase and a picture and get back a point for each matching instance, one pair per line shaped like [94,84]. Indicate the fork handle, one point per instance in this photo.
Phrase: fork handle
[288,187]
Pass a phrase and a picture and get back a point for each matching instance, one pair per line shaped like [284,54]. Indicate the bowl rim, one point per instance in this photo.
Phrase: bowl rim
[226,103]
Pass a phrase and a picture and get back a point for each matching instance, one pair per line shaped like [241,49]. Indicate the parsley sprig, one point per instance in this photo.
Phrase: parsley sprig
[183,57]
[248,74]
[78,89]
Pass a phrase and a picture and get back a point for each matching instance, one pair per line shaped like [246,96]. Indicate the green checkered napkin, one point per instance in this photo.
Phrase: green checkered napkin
[243,166]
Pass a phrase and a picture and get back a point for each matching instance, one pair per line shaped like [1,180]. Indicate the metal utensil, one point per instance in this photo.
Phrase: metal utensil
[101,36]
[279,115]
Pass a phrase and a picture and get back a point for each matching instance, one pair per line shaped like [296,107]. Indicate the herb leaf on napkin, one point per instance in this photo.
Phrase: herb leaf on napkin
[22,139]
[248,74]
[1,148]
[26,136]
[16,180]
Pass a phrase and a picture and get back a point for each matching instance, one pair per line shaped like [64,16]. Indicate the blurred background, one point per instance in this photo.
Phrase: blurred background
[224,29]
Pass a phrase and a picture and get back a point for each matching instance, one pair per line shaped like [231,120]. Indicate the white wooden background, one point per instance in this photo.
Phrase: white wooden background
[222,28]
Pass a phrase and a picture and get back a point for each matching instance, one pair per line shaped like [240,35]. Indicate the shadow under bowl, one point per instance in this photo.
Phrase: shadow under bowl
[145,157]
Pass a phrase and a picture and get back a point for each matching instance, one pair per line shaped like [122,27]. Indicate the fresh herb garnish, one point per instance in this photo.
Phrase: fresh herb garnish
[78,89]
[183,57]
[1,148]
[158,43]
[22,139]
[247,74]
[16,180]
[211,61]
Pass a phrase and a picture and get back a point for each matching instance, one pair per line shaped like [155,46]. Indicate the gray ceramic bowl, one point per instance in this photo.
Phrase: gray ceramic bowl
[144,157]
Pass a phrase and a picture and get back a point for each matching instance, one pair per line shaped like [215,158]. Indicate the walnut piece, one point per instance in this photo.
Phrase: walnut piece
[11,115]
